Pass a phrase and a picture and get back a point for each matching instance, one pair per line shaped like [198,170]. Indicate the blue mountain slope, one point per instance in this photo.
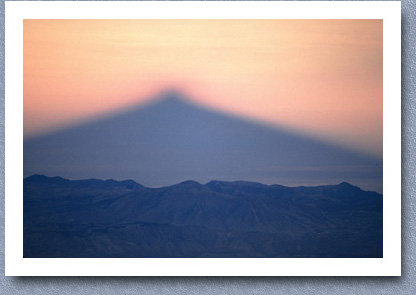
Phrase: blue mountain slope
[94,218]
[172,140]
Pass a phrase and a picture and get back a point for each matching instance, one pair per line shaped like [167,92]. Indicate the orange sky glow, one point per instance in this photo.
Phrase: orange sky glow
[321,77]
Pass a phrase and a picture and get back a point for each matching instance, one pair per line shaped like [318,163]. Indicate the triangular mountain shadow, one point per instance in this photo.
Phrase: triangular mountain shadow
[172,140]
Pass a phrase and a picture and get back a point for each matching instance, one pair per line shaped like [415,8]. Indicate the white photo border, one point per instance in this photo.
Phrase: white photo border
[17,11]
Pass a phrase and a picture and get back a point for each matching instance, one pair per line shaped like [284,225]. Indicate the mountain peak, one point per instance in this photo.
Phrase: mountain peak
[347,185]
[45,179]
[189,184]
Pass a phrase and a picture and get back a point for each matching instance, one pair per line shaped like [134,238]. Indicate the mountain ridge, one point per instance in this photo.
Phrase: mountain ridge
[76,219]
[39,178]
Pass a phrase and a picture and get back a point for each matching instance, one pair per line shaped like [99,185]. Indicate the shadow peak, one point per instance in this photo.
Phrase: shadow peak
[173,96]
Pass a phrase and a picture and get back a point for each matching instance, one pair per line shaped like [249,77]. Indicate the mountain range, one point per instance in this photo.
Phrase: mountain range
[172,139]
[96,218]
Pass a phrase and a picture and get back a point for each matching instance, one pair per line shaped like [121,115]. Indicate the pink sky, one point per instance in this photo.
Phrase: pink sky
[322,77]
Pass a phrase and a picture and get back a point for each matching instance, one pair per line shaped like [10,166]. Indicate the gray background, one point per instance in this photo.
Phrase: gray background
[406,284]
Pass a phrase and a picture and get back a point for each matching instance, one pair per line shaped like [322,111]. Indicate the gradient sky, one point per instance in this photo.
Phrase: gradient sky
[323,77]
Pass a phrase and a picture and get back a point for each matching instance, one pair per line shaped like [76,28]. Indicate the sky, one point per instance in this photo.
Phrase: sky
[320,77]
